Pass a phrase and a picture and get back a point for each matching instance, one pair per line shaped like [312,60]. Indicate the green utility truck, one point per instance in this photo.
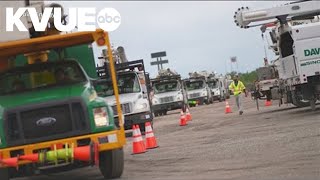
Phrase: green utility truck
[51,118]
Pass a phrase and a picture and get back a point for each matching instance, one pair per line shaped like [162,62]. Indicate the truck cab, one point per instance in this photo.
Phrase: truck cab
[133,92]
[48,100]
[198,91]
[217,87]
[268,79]
[169,94]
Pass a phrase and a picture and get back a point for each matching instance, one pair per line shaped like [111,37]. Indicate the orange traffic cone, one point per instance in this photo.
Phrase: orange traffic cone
[188,115]
[30,157]
[268,103]
[228,108]
[82,153]
[183,120]
[137,144]
[151,141]
[10,162]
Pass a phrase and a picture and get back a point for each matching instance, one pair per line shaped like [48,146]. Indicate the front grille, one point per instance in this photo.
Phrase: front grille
[60,121]
[46,122]
[166,99]
[124,107]
[194,95]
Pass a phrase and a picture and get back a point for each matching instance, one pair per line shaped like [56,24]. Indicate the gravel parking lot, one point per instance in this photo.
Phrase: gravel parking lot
[273,143]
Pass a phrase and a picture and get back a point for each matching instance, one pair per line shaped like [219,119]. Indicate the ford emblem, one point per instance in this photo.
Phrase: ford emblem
[47,121]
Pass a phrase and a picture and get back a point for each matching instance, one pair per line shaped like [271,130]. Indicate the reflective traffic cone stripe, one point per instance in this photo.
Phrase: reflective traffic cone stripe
[228,109]
[183,120]
[148,127]
[137,144]
[151,141]
[10,162]
[188,115]
[137,139]
[30,157]
[139,133]
[138,130]
[149,135]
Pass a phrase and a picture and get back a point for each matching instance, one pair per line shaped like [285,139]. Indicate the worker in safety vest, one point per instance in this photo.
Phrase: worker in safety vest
[237,88]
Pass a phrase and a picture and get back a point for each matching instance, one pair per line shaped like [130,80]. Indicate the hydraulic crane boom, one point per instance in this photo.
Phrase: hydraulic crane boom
[295,39]
[244,16]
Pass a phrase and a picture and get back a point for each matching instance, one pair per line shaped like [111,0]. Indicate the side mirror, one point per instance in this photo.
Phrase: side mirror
[94,82]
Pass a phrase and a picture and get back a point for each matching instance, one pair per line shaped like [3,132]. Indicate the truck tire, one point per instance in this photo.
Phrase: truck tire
[4,174]
[111,163]
[298,102]
[165,112]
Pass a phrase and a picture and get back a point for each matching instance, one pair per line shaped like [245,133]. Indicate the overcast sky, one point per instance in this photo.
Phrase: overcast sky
[196,35]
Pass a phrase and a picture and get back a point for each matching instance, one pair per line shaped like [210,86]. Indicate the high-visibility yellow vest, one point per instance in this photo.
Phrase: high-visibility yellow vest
[237,89]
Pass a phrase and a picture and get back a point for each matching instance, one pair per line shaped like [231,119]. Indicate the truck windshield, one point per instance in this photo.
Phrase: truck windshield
[192,85]
[213,84]
[127,83]
[41,75]
[163,87]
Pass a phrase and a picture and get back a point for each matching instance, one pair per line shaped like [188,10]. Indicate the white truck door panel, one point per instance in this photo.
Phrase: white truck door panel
[308,56]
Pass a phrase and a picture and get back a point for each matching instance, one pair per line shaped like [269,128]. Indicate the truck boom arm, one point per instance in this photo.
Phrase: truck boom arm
[244,16]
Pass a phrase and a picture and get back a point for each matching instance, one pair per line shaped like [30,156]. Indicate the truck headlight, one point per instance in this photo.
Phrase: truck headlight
[179,97]
[155,101]
[204,93]
[141,106]
[101,116]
